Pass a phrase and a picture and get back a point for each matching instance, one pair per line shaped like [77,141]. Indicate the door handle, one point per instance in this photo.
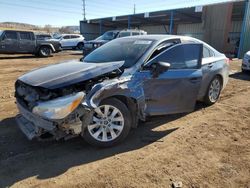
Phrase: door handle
[210,65]
[194,79]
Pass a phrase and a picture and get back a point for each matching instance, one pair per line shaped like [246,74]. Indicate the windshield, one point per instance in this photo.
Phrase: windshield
[109,35]
[1,32]
[128,50]
[58,37]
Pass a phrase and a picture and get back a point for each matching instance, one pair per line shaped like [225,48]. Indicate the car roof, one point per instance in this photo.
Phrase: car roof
[70,34]
[161,38]
[17,30]
[43,34]
[112,31]
[155,37]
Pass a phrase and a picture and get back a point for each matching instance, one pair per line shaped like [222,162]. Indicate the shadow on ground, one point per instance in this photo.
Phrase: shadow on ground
[241,76]
[18,57]
[21,159]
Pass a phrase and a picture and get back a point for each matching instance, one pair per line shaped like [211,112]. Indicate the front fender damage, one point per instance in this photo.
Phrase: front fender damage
[128,89]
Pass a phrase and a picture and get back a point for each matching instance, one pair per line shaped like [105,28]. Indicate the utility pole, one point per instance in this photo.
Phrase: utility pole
[83,9]
[134,8]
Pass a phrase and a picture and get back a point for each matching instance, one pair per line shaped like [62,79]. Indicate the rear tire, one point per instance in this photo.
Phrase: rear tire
[110,125]
[245,71]
[45,51]
[213,91]
[80,46]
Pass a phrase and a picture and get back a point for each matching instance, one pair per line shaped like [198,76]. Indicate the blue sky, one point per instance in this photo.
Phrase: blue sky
[69,12]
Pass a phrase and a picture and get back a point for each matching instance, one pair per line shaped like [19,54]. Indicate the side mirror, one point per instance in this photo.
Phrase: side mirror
[159,68]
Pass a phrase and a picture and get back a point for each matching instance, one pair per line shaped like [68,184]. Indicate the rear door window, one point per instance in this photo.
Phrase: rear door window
[207,52]
[75,36]
[10,35]
[25,36]
[124,34]
[66,37]
[135,33]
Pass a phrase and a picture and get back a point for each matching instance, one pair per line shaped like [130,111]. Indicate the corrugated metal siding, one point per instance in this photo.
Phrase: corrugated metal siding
[157,29]
[245,36]
[91,31]
[217,24]
[193,30]
[235,31]
[236,26]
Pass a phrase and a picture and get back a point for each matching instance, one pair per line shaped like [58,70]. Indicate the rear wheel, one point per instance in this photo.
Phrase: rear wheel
[80,46]
[244,71]
[213,91]
[110,125]
[45,51]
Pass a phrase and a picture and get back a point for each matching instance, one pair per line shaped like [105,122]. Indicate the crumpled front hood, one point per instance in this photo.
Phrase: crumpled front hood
[67,73]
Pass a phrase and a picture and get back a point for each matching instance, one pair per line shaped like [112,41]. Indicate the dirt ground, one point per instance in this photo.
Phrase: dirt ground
[209,147]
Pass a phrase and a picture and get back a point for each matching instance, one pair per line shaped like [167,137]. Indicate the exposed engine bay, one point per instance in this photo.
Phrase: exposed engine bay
[28,97]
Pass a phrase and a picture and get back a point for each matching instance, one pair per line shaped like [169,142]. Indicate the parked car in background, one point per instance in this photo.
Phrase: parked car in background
[71,41]
[118,84]
[25,42]
[246,62]
[43,36]
[108,36]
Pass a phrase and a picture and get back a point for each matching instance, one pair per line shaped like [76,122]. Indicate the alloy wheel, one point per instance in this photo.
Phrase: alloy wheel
[107,123]
[214,90]
[45,51]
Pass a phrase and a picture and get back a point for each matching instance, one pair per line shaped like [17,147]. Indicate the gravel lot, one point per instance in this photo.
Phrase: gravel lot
[209,147]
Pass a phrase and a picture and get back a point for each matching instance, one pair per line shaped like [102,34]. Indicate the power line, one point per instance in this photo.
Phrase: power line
[113,2]
[46,9]
[53,4]
[95,6]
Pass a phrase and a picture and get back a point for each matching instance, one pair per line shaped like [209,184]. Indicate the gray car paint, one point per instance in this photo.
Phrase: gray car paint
[67,73]
[105,89]
[148,95]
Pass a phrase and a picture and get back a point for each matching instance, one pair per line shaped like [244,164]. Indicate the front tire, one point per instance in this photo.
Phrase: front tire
[45,51]
[213,91]
[110,125]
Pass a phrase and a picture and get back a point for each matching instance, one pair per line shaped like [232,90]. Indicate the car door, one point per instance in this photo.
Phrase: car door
[9,42]
[74,39]
[27,42]
[65,41]
[175,90]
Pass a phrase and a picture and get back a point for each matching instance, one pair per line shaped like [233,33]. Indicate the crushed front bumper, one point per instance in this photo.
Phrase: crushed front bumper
[32,125]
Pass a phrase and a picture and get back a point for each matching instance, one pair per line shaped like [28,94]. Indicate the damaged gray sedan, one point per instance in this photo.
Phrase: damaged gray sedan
[105,95]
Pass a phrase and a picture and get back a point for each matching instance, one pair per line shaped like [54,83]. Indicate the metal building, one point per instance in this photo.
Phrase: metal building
[225,26]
